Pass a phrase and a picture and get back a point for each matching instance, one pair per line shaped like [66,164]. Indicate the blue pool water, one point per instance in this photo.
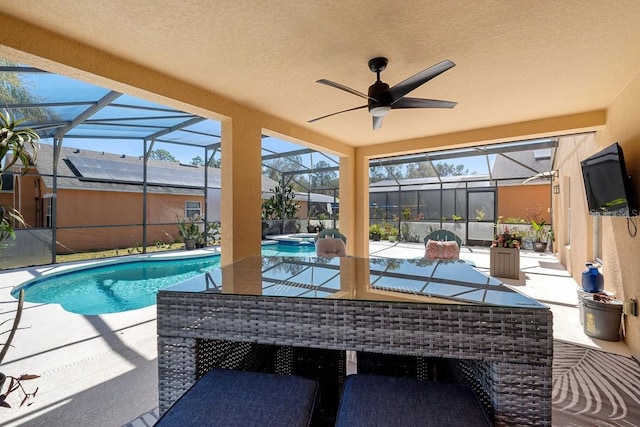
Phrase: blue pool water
[127,285]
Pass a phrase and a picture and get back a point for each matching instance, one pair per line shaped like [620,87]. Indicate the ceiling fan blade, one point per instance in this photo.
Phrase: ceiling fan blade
[406,86]
[344,88]
[333,114]
[407,102]
[377,122]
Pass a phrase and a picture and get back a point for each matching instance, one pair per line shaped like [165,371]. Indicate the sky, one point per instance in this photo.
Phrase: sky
[133,148]
[53,88]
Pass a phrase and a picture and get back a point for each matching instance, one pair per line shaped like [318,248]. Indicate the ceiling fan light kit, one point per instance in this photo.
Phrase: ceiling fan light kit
[379,111]
[381,98]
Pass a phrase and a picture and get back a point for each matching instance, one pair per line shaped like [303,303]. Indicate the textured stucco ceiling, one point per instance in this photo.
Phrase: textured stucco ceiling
[515,61]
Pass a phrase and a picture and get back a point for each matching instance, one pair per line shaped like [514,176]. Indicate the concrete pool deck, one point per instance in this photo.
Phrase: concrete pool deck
[101,370]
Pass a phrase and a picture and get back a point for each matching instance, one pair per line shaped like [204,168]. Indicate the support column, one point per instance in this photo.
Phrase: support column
[360,198]
[241,194]
[347,202]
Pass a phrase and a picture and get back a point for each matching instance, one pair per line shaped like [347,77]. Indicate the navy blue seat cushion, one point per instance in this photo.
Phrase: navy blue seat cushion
[225,397]
[375,400]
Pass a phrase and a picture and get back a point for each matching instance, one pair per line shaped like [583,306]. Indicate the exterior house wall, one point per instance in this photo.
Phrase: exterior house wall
[520,200]
[77,208]
[621,249]
[26,198]
[6,198]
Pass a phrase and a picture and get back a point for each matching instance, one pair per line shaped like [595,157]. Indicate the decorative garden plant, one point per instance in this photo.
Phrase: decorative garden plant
[16,144]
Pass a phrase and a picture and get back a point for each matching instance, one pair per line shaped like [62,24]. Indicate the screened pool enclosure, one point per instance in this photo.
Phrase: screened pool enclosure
[118,172]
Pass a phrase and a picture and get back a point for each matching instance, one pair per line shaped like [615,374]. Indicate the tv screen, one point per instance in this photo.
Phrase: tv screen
[607,185]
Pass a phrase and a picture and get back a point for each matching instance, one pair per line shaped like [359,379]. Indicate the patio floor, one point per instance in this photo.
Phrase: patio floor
[101,370]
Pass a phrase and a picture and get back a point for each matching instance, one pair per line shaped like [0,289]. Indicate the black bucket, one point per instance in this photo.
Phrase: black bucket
[602,319]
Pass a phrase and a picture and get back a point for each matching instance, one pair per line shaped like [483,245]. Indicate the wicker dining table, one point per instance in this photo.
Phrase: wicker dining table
[432,319]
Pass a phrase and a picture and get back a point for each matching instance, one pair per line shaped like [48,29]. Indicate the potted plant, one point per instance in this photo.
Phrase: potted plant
[391,232]
[375,232]
[541,235]
[189,230]
[279,208]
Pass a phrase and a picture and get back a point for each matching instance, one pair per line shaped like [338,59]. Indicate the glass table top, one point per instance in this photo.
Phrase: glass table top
[376,279]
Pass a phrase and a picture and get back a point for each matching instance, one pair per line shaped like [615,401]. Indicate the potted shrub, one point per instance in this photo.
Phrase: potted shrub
[189,230]
[391,232]
[375,232]
[541,235]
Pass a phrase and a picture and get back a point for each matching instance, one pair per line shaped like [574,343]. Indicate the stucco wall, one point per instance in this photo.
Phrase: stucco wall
[620,250]
[519,201]
[87,208]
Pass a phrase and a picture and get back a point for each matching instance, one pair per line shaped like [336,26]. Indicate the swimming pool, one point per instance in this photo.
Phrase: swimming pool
[127,285]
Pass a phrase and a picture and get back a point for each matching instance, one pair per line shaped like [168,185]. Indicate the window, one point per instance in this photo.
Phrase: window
[48,215]
[192,209]
[6,183]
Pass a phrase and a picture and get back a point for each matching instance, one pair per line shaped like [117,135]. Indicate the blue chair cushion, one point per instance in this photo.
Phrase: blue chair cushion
[375,400]
[225,397]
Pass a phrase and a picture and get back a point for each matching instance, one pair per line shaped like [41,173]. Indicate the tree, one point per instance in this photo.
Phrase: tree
[197,161]
[446,169]
[421,170]
[273,168]
[426,169]
[385,172]
[13,91]
[323,179]
[161,154]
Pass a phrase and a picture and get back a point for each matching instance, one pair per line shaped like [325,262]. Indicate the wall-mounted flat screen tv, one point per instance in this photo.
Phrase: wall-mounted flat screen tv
[607,185]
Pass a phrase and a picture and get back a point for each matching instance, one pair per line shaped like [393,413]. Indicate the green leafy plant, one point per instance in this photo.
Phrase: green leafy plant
[390,231]
[281,204]
[22,143]
[189,228]
[16,144]
[8,217]
[214,232]
[375,230]
[540,232]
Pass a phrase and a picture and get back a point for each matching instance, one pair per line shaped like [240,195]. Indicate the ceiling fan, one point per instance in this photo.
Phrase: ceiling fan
[382,99]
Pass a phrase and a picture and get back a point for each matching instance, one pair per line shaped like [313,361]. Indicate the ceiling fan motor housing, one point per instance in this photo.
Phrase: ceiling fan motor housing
[377,92]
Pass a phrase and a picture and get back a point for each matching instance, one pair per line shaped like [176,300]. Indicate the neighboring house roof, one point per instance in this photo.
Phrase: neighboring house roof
[427,183]
[520,165]
[510,168]
[100,171]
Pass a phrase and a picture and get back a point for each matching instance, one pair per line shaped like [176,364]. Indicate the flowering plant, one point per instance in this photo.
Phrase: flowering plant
[505,238]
